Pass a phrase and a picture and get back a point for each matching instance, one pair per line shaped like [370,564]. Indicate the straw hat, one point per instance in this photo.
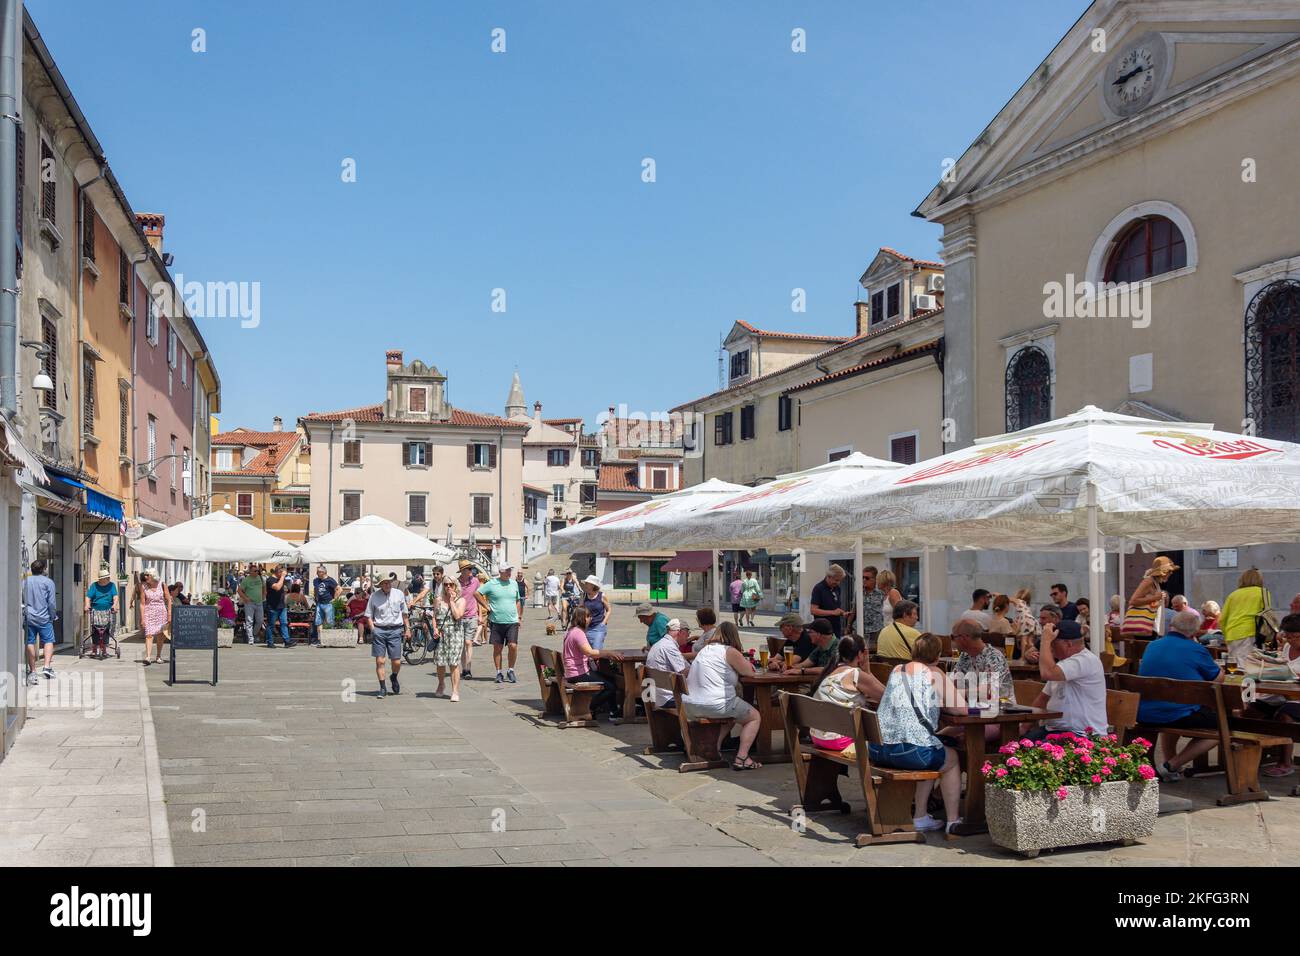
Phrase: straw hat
[465,565]
[1162,567]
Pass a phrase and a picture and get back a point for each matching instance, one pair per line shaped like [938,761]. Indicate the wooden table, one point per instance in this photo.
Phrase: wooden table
[1288,689]
[1009,723]
[760,690]
[628,673]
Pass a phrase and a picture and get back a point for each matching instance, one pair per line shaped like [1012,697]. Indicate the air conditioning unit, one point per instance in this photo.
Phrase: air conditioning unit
[934,283]
[924,303]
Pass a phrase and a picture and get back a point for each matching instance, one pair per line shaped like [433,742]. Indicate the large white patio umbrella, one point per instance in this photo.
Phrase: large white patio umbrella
[1090,480]
[218,536]
[373,540]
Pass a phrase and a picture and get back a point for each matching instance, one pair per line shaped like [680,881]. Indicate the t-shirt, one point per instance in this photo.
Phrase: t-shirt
[357,606]
[575,662]
[1178,658]
[252,586]
[983,618]
[386,610]
[658,628]
[897,640]
[988,661]
[101,599]
[503,601]
[552,585]
[1081,697]
[828,599]
[324,589]
[1069,611]
[468,591]
[1237,619]
[274,598]
[665,656]
[736,587]
[523,588]
[226,608]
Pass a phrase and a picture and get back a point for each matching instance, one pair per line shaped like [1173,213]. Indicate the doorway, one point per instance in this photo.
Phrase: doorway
[1137,563]
[658,581]
[907,571]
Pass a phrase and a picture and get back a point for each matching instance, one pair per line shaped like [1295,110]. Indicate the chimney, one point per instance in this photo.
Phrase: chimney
[152,223]
[537,412]
[277,424]
[864,316]
[393,360]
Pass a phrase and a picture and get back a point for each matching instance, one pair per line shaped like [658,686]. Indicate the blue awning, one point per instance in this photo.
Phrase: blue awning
[97,503]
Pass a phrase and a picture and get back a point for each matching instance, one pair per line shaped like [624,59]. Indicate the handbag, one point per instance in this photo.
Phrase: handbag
[1267,623]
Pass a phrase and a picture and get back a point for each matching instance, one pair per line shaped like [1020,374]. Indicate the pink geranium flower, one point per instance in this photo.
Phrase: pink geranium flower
[1084,758]
[1096,778]
[986,768]
[1002,771]
[1013,761]
[1147,772]
[1105,771]
[1062,793]
[1109,761]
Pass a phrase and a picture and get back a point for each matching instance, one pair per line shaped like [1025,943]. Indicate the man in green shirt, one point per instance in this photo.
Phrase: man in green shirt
[656,624]
[251,594]
[502,595]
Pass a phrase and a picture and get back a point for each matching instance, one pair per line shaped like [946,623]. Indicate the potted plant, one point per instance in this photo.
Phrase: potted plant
[1070,790]
[341,633]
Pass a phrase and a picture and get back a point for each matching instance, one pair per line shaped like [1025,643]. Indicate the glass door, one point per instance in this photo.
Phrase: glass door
[658,581]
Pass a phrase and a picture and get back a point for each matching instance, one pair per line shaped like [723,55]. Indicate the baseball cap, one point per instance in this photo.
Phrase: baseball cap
[790,620]
[644,610]
[1069,631]
[822,626]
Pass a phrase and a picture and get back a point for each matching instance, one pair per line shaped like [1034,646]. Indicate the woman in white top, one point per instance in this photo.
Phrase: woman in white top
[711,691]
[887,584]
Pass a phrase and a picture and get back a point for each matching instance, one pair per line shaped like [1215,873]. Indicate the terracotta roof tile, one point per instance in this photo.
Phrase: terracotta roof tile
[928,263]
[459,418]
[622,476]
[802,336]
[275,448]
[913,352]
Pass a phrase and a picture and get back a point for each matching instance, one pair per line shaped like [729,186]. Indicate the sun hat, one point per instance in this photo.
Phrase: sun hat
[790,620]
[465,565]
[676,625]
[104,572]
[644,610]
[1162,567]
[592,580]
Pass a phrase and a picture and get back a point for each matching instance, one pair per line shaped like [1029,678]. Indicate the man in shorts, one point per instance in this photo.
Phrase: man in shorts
[388,617]
[40,611]
[502,595]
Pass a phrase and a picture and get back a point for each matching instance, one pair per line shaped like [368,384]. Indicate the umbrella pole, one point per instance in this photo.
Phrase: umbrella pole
[717,585]
[858,589]
[1096,576]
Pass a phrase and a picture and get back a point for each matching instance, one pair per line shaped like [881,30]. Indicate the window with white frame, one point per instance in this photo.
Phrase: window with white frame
[557,492]
[153,443]
[173,461]
[151,322]
[225,459]
[415,453]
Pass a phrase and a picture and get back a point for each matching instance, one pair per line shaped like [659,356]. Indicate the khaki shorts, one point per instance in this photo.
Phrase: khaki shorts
[734,709]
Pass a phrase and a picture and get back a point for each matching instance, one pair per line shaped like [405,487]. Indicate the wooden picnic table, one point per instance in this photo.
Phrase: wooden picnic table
[628,674]
[1009,723]
[1288,689]
[760,690]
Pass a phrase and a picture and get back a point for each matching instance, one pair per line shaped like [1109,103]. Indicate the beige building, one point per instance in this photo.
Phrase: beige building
[1156,145]
[440,471]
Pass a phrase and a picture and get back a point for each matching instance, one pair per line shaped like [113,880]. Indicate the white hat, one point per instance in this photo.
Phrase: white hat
[676,625]
[591,579]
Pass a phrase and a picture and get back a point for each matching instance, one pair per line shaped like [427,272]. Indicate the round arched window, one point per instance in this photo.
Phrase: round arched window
[1028,388]
[1147,247]
[1273,360]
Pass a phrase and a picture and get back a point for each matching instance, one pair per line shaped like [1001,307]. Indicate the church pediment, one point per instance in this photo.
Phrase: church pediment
[1125,67]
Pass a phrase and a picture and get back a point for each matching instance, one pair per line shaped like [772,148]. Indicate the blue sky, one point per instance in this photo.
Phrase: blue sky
[523,171]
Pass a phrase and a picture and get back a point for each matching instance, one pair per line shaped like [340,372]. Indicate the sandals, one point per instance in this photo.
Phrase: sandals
[1278,771]
[749,763]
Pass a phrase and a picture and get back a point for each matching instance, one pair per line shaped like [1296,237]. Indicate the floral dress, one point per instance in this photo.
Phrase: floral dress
[452,635]
[155,609]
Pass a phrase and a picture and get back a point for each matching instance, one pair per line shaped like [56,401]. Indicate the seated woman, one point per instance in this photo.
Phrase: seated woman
[226,607]
[578,655]
[295,598]
[357,613]
[711,691]
[909,720]
[1275,707]
[849,683]
[708,622]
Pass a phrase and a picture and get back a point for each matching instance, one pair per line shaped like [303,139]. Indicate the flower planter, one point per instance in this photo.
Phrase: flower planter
[225,637]
[338,637]
[1027,822]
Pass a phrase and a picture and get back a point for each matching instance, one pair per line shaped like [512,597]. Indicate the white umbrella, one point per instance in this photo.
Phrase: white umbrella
[1091,480]
[218,536]
[627,527]
[791,511]
[373,540]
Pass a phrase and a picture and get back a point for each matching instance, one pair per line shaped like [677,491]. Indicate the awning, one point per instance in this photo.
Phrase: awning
[98,504]
[693,561]
[18,450]
[49,500]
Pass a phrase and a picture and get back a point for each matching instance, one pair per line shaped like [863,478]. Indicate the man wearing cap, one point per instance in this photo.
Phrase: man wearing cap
[101,608]
[668,656]
[1076,683]
[502,595]
[655,622]
[469,591]
[323,590]
[387,613]
[814,648]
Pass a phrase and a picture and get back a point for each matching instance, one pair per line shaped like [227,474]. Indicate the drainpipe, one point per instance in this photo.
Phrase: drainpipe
[11,39]
[501,492]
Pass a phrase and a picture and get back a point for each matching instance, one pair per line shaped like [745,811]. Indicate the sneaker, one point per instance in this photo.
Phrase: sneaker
[397,688]
[501,678]
[465,674]
[383,690]
[948,827]
[47,673]
[291,644]
[927,824]
[1168,774]
[510,676]
[32,679]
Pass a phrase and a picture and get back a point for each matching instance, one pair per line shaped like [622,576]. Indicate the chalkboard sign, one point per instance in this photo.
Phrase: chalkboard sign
[194,628]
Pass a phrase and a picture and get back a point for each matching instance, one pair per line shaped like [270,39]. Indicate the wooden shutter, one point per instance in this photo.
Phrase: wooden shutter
[124,412]
[88,399]
[48,187]
[50,363]
[351,507]
[469,455]
[87,228]
[123,278]
[21,181]
[492,456]
[406,453]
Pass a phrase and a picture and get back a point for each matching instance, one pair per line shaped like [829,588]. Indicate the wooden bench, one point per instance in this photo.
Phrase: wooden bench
[671,730]
[560,698]
[888,792]
[1239,750]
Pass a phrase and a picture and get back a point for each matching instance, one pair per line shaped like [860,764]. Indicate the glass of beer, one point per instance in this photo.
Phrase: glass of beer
[762,658]
[1009,648]
[789,657]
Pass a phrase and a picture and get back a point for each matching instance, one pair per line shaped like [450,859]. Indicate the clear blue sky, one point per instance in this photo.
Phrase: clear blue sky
[522,171]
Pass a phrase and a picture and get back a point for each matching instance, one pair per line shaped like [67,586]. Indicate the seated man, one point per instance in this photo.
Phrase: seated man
[656,623]
[1076,684]
[791,627]
[817,647]
[898,638]
[668,656]
[987,666]
[1049,615]
[1179,656]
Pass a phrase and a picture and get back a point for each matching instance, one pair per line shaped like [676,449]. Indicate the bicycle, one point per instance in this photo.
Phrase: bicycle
[415,649]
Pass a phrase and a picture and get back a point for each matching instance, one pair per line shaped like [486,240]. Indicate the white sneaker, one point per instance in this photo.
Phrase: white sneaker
[927,824]
[32,679]
[47,673]
[510,676]
[951,824]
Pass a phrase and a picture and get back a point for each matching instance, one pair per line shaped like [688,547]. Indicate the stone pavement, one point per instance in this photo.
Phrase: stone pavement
[292,760]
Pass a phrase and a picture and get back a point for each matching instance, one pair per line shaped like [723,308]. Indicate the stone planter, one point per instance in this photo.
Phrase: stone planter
[338,637]
[225,637]
[1106,813]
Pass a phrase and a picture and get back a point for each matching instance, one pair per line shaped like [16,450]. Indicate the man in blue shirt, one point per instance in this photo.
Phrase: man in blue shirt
[323,590]
[40,611]
[1179,656]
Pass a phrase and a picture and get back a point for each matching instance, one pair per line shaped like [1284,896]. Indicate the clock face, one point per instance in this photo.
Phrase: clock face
[1134,76]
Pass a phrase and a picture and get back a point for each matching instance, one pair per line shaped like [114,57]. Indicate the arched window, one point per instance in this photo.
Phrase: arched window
[1147,247]
[1273,360]
[1029,388]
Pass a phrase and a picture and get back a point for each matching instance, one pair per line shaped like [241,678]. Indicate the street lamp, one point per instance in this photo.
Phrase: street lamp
[41,382]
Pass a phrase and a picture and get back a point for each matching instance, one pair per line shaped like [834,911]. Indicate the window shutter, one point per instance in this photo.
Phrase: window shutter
[406,453]
[492,456]
[50,363]
[469,455]
[88,403]
[87,228]
[123,278]
[48,189]
[21,180]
